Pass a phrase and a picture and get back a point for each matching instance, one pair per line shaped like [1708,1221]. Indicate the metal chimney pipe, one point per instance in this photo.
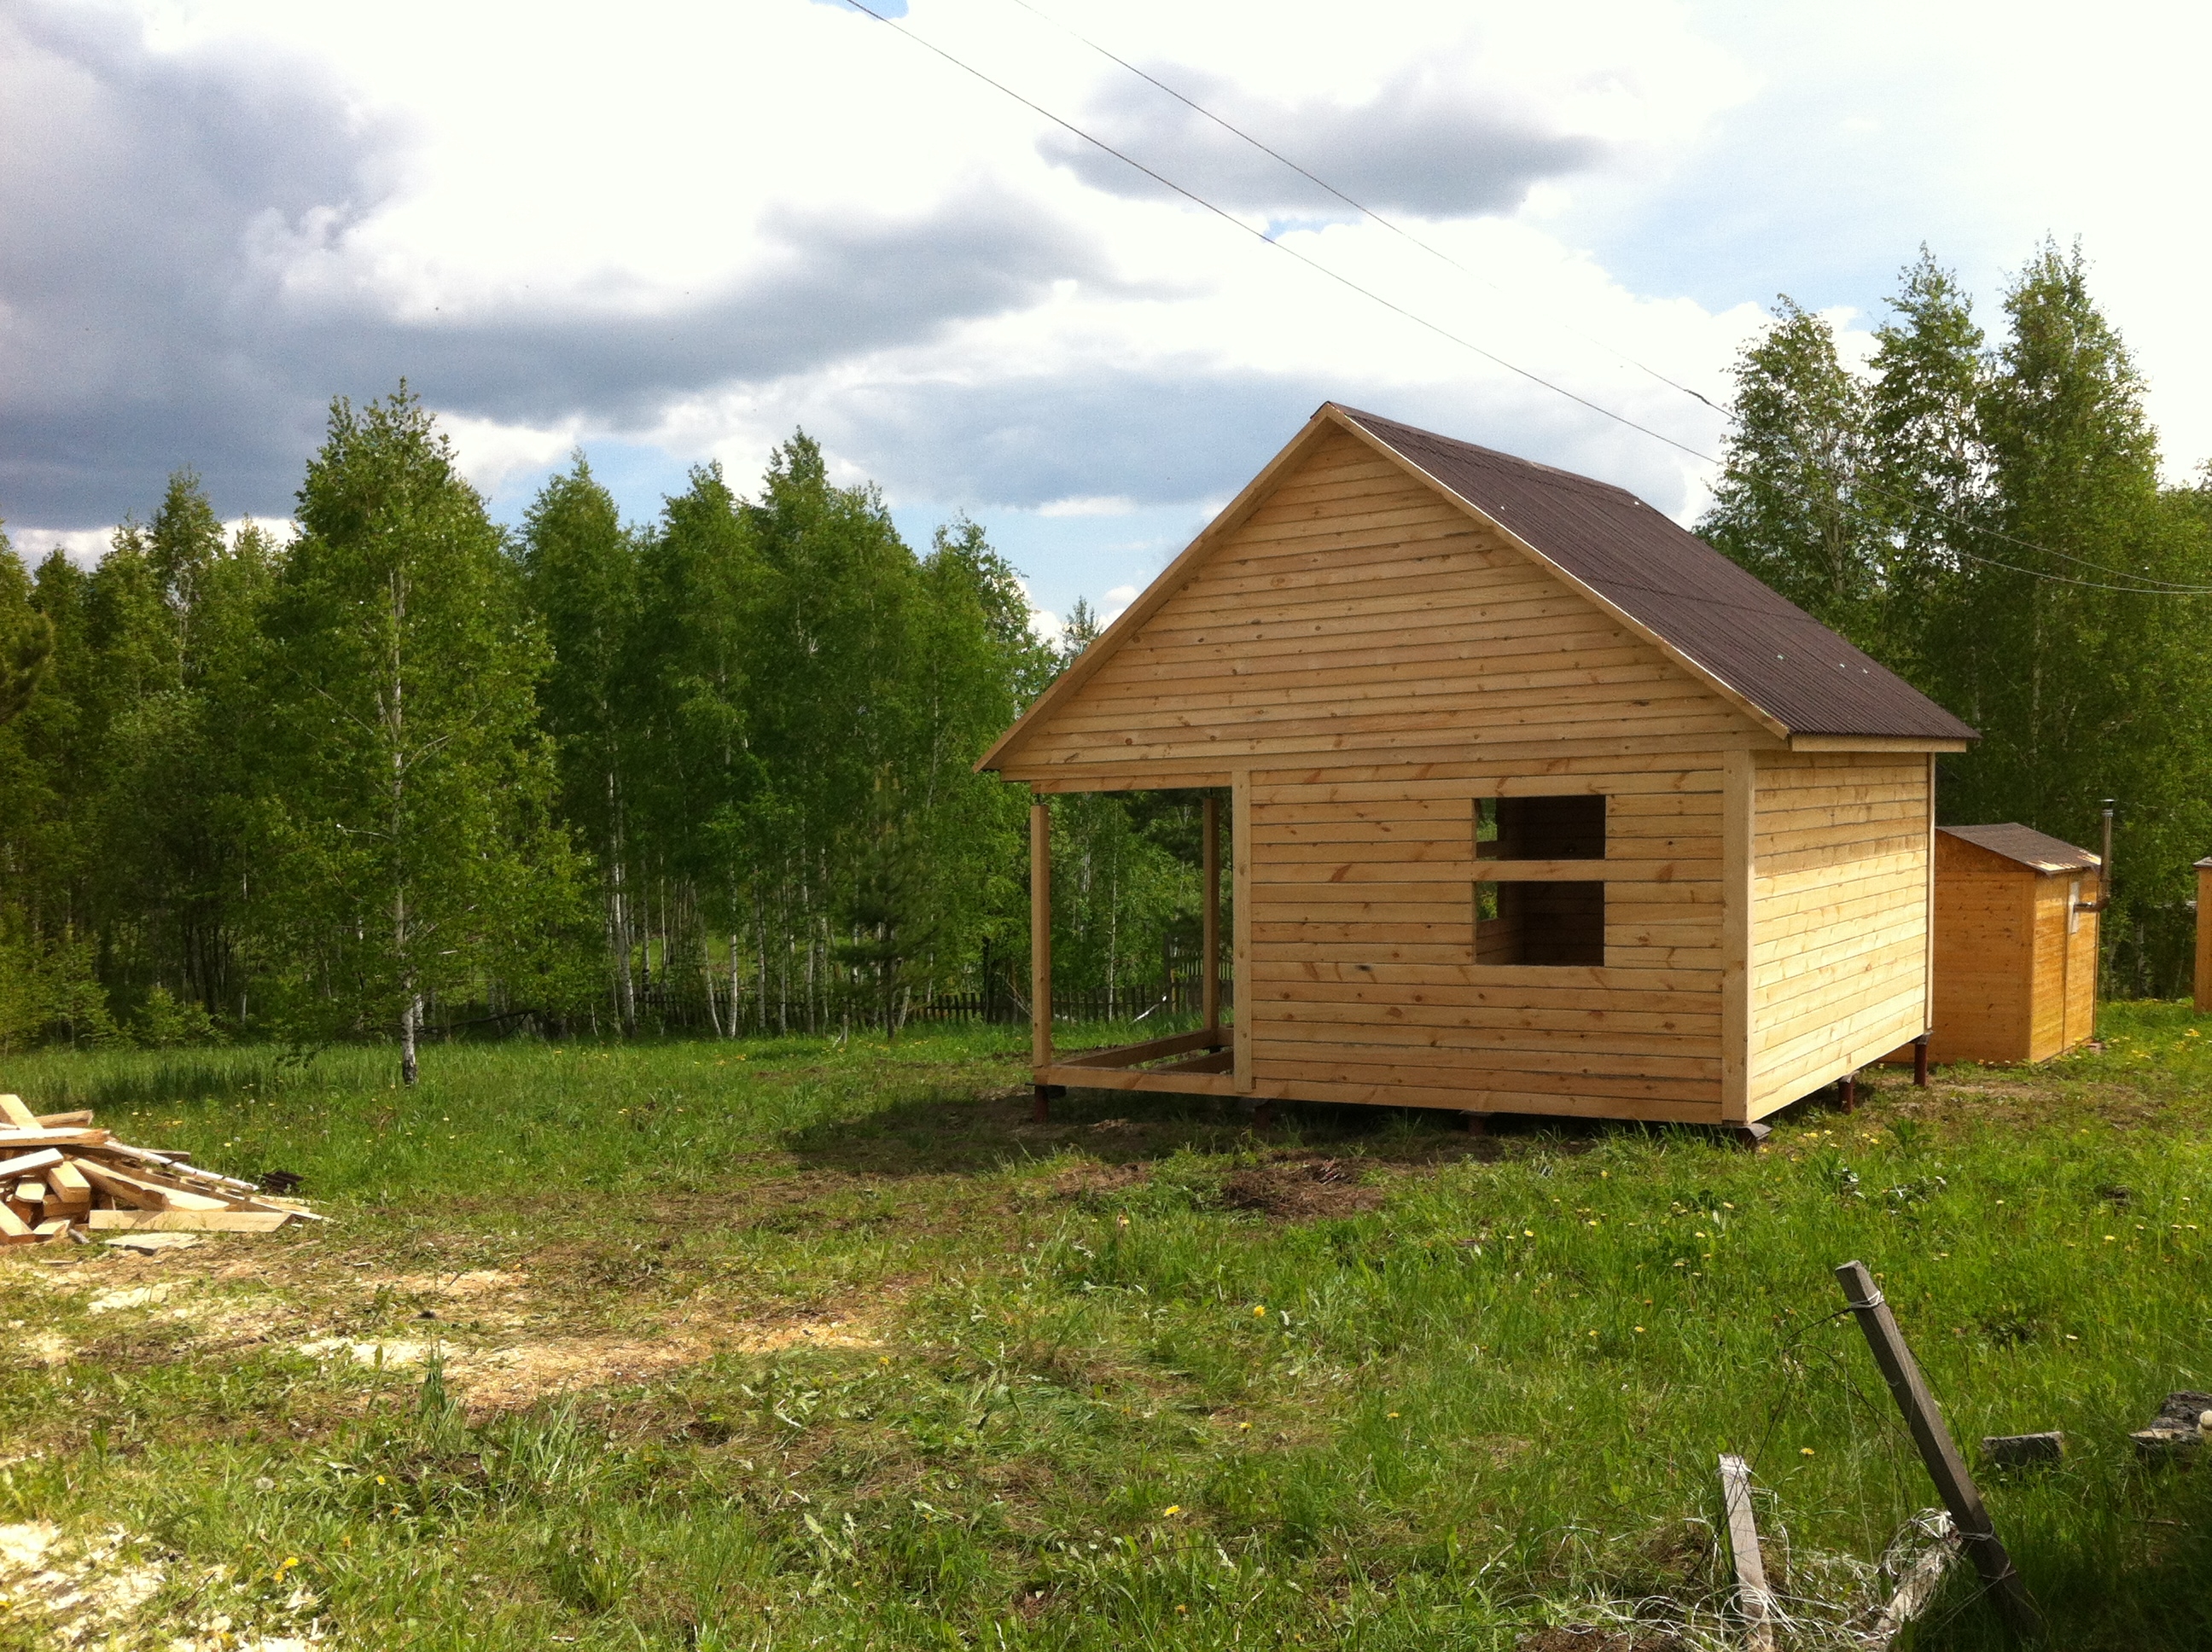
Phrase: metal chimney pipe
[2104,900]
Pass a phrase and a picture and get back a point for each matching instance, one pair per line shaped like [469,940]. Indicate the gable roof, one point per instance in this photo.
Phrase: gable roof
[1753,645]
[2036,850]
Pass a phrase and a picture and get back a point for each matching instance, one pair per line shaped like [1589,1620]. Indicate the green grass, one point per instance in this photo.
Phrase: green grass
[1137,1377]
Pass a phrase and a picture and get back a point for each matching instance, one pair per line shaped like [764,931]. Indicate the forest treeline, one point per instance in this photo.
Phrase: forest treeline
[1987,519]
[410,768]
[714,773]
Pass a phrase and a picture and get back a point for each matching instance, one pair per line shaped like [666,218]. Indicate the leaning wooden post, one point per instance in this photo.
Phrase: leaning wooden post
[2204,932]
[1209,944]
[1752,1599]
[1041,948]
[1977,1534]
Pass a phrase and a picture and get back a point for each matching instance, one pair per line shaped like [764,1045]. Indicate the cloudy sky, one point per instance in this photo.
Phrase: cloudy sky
[669,232]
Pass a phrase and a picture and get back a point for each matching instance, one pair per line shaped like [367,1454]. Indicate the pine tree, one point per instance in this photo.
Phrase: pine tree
[1789,504]
[407,788]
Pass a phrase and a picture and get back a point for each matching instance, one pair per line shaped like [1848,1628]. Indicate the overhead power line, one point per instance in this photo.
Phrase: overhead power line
[1360,207]
[2141,583]
[1262,235]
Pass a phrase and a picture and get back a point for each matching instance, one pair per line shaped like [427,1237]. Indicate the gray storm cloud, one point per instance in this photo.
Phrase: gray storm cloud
[1421,145]
[151,202]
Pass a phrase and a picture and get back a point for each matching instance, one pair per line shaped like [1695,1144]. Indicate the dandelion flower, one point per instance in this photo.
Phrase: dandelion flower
[1171,1511]
[1804,1451]
[1259,1310]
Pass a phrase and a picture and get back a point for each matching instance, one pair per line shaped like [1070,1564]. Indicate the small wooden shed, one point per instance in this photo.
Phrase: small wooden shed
[1538,803]
[2016,926]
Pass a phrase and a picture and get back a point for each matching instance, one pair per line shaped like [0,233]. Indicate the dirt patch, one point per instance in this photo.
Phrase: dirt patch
[1595,1638]
[1300,1190]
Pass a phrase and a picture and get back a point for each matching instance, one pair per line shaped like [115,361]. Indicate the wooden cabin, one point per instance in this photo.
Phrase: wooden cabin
[1538,803]
[2016,919]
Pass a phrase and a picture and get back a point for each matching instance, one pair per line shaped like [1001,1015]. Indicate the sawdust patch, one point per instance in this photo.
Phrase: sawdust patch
[116,1301]
[48,1348]
[476,1282]
[101,1589]
[500,1378]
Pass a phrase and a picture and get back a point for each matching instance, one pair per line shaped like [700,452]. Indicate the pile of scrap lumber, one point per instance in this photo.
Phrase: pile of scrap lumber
[62,1179]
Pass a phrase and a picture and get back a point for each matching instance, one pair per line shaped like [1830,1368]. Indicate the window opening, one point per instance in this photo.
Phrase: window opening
[1540,921]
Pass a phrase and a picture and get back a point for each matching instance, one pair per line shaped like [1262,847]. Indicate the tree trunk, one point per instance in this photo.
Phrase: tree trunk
[409,1019]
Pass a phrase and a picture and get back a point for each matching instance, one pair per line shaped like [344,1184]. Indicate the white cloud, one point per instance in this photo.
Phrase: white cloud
[690,226]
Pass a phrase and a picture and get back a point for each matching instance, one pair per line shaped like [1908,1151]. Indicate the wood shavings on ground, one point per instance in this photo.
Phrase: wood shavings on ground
[61,1178]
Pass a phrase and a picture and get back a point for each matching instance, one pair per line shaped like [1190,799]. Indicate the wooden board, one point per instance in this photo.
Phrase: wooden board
[190,1221]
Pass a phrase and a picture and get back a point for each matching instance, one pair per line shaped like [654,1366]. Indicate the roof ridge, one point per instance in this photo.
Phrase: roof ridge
[1545,472]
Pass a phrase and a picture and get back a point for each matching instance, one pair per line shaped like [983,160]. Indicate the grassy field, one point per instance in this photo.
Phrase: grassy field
[797,1344]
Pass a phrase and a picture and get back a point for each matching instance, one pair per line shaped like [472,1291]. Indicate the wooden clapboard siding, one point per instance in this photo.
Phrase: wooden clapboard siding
[2080,976]
[1356,617]
[1364,972]
[2047,962]
[1839,916]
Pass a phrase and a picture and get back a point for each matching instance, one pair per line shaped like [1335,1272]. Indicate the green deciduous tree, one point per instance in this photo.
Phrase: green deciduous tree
[407,788]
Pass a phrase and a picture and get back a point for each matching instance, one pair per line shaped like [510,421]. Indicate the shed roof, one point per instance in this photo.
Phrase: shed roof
[2036,850]
[1721,618]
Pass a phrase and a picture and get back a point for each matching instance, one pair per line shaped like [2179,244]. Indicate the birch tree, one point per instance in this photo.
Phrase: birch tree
[407,785]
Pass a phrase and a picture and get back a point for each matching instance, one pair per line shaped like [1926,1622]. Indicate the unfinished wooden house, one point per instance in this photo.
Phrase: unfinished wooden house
[1537,803]
[2016,917]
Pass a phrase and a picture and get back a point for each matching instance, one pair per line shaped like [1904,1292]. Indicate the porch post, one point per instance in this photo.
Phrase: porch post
[1040,936]
[1210,909]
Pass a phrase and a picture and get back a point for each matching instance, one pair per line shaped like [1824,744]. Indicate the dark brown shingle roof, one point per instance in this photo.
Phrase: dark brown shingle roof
[1667,580]
[2025,845]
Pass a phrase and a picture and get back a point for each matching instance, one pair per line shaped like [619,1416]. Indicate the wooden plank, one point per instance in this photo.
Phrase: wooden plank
[1470,1008]
[1521,745]
[1588,1054]
[1487,624]
[1130,1055]
[1608,774]
[1377,672]
[1240,939]
[1739,808]
[1385,720]
[12,1226]
[1977,1531]
[145,1193]
[191,1221]
[14,1138]
[77,1121]
[1585,1094]
[13,1112]
[1754,1604]
[1040,934]
[1535,985]
[27,1163]
[1170,1083]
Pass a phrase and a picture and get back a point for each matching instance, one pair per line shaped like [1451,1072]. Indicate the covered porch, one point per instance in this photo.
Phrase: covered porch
[1204,1061]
